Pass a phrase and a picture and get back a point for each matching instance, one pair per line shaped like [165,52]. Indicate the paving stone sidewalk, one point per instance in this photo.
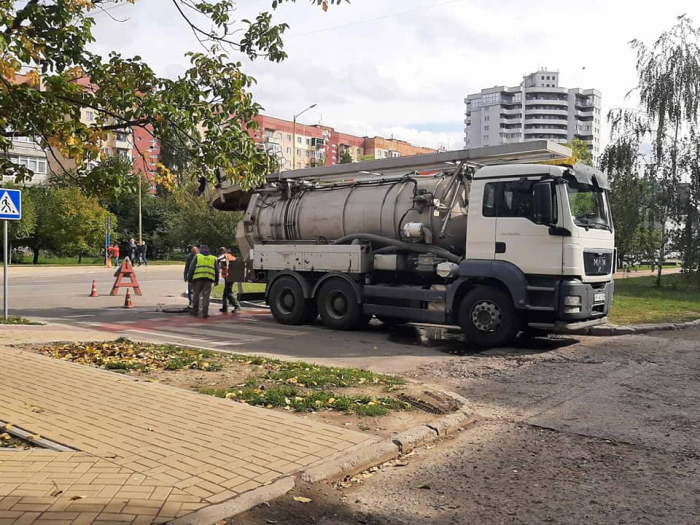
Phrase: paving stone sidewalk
[145,452]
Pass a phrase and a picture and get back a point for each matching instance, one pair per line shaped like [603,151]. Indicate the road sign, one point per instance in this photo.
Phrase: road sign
[10,205]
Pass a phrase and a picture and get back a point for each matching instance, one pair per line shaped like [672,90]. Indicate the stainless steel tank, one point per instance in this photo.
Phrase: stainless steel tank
[327,213]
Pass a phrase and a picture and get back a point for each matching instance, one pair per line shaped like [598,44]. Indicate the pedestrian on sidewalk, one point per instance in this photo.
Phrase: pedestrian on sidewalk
[204,272]
[114,254]
[132,250]
[226,257]
[188,262]
[142,251]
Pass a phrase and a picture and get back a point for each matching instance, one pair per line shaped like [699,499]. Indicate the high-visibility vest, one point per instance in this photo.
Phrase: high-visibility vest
[206,267]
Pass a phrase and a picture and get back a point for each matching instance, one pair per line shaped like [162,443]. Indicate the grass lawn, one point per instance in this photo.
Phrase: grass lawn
[247,287]
[638,301]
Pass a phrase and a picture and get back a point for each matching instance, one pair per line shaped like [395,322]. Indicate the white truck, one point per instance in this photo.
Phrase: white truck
[490,239]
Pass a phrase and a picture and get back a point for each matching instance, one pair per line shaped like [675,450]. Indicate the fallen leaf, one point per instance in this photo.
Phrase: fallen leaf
[35,436]
[222,522]
[271,522]
[302,499]
[400,464]
[74,498]
[56,492]
[425,487]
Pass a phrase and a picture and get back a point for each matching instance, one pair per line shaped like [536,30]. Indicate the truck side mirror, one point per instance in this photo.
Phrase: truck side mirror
[544,214]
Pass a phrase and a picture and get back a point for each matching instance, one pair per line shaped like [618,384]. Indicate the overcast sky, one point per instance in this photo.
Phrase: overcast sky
[404,67]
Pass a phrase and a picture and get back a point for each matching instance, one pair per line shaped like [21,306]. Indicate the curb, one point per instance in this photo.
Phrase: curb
[238,504]
[612,330]
[392,448]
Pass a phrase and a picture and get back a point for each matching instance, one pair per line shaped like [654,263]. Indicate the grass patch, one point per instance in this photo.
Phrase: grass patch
[298,400]
[126,355]
[217,291]
[638,301]
[312,375]
[13,319]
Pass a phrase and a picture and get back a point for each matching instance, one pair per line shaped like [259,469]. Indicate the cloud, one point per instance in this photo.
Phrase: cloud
[405,66]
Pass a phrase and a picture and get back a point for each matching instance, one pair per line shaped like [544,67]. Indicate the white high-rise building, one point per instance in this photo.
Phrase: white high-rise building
[537,109]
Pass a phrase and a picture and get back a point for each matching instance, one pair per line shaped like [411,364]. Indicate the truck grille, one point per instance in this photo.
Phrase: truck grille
[598,262]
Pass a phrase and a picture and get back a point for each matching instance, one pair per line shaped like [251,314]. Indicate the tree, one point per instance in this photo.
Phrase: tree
[67,222]
[198,223]
[50,38]
[346,157]
[669,92]
[581,151]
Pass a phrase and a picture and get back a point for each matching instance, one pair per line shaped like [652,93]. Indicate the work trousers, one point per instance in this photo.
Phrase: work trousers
[201,290]
[229,297]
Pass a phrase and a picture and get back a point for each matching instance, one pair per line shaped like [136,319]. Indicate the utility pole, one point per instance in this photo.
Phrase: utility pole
[294,139]
[140,212]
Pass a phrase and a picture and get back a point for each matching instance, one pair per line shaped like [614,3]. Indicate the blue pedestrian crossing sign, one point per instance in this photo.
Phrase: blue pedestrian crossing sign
[10,205]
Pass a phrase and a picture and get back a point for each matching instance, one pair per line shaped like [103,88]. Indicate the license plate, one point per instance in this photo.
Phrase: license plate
[599,297]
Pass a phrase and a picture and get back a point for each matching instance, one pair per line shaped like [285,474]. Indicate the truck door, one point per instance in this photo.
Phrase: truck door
[520,238]
[481,225]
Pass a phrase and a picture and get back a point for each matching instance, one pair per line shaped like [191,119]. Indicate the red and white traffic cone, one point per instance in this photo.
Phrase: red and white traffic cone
[127,300]
[94,293]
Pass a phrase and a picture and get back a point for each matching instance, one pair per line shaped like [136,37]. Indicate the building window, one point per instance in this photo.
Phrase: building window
[486,119]
[279,136]
[486,128]
[308,142]
[289,151]
[298,152]
[359,153]
[38,166]
[289,137]
[486,138]
[89,116]
[298,140]
[307,153]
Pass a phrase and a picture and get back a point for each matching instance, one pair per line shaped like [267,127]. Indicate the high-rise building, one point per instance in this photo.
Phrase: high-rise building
[536,109]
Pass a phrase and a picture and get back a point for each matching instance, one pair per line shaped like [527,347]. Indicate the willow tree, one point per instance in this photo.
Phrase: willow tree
[47,75]
[668,88]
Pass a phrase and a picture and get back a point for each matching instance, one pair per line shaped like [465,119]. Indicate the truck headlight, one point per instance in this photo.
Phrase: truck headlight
[572,300]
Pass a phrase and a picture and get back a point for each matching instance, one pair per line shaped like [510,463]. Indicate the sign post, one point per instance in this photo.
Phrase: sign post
[10,210]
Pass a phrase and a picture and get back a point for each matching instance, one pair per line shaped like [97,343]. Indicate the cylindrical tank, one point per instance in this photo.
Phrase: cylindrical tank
[381,208]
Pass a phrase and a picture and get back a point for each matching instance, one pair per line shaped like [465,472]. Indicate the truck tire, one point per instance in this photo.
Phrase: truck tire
[487,317]
[287,302]
[338,306]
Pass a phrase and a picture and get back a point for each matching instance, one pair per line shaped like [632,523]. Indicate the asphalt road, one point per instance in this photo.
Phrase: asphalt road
[571,430]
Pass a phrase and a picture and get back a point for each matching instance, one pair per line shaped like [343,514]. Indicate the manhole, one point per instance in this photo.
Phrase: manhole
[431,402]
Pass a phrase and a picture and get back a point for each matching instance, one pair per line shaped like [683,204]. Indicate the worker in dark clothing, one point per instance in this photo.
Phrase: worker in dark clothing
[203,273]
[229,297]
[188,262]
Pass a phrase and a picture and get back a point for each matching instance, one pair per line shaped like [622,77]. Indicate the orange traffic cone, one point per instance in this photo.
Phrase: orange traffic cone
[94,293]
[127,300]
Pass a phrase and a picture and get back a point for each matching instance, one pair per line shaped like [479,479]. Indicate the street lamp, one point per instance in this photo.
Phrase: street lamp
[294,139]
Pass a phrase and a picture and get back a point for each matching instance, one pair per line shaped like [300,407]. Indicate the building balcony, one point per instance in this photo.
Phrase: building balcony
[545,122]
[546,131]
[513,111]
[552,112]
[546,101]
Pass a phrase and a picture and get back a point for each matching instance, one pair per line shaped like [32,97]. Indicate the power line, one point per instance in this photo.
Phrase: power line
[383,17]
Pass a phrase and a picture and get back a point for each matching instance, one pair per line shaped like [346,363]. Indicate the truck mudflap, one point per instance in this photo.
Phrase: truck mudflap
[563,327]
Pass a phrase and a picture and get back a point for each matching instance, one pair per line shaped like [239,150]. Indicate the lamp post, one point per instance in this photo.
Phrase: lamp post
[294,139]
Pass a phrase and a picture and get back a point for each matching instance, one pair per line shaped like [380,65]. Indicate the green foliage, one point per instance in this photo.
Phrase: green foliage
[668,86]
[67,222]
[107,181]
[345,157]
[582,153]
[210,105]
[18,320]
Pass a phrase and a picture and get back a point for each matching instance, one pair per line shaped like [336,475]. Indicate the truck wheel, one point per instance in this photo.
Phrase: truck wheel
[287,302]
[487,317]
[338,306]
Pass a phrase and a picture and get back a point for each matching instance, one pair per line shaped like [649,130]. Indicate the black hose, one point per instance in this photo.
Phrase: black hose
[419,248]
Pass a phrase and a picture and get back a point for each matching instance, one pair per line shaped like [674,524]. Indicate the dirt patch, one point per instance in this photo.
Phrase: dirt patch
[8,441]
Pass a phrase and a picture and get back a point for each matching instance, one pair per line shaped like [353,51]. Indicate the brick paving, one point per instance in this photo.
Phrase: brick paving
[145,452]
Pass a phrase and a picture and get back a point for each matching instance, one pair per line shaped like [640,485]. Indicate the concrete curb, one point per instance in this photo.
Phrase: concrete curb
[400,444]
[237,505]
[612,330]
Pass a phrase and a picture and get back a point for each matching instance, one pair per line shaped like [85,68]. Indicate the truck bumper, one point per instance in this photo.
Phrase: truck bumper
[563,327]
[595,301]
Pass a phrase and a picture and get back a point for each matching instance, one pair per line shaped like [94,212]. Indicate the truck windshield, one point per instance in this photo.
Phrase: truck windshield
[589,205]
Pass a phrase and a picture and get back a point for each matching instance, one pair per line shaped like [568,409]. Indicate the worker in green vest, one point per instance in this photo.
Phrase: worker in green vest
[203,272]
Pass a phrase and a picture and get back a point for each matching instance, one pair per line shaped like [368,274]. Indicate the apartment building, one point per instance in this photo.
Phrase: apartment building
[319,145]
[539,108]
